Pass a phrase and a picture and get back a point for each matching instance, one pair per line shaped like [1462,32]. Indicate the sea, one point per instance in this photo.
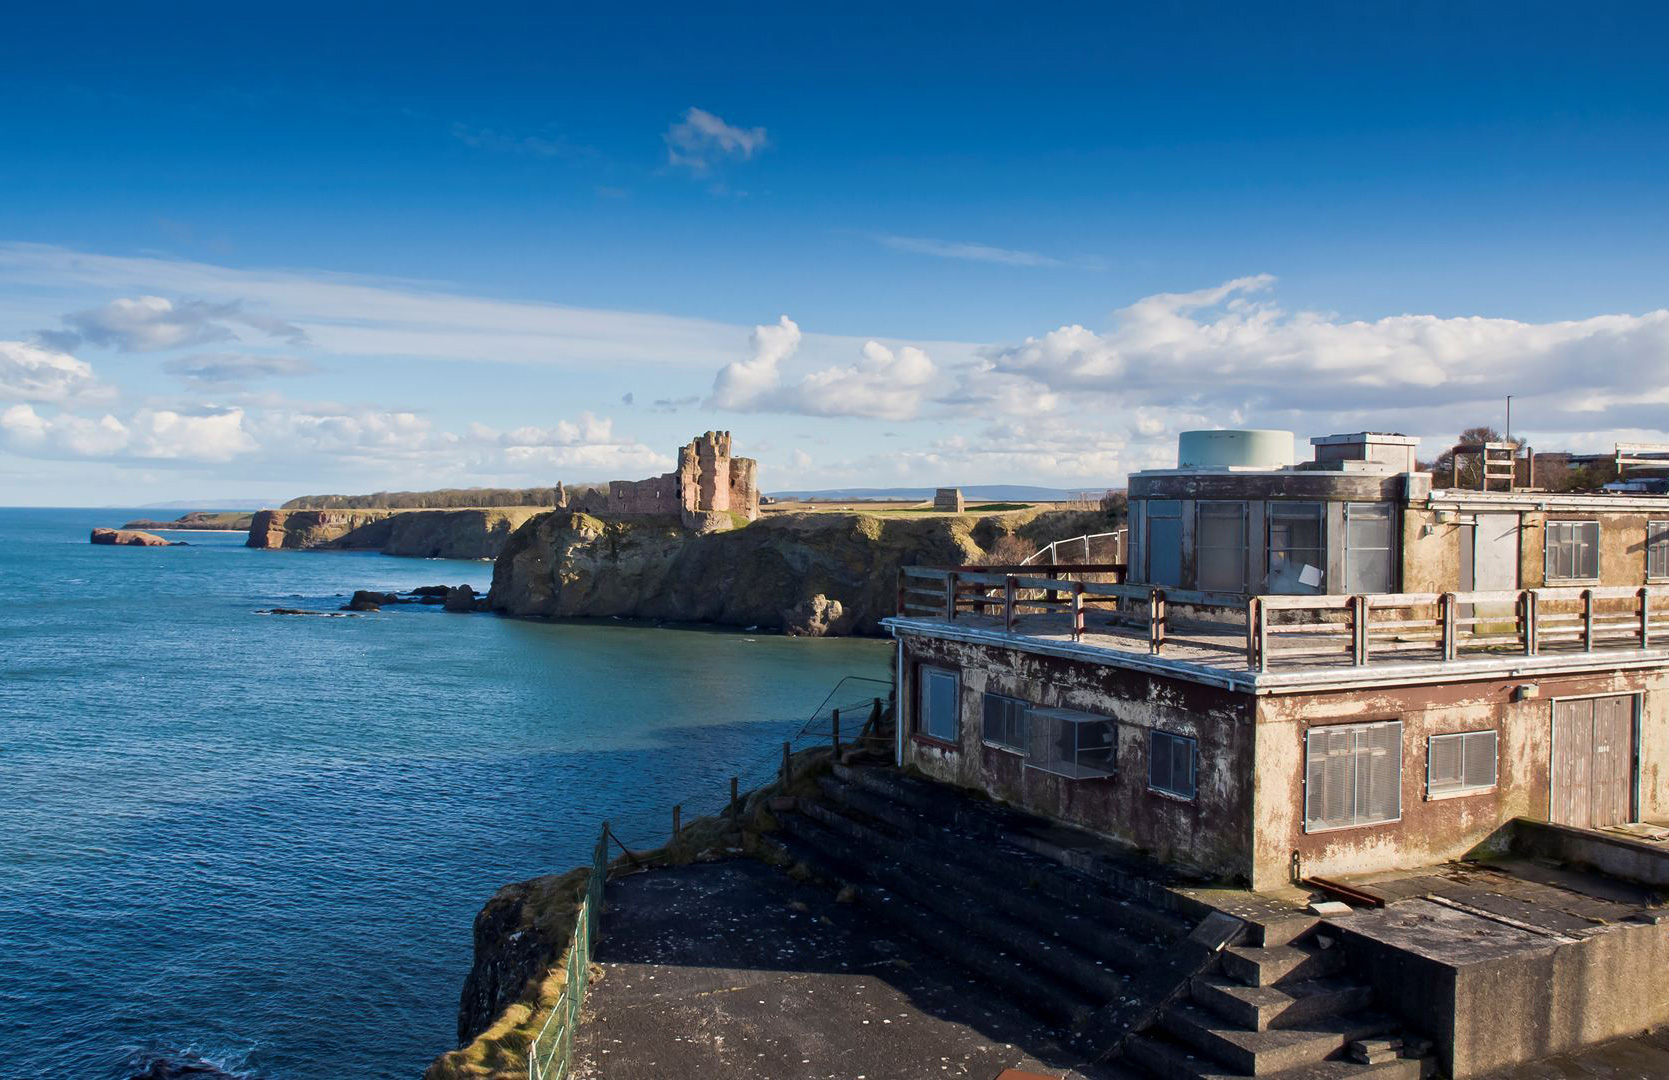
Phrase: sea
[258,841]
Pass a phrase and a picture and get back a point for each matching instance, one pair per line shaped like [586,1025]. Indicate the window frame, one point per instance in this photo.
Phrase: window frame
[1464,789]
[1548,530]
[925,673]
[986,700]
[1393,560]
[1043,726]
[1154,738]
[1201,509]
[1273,511]
[1357,730]
[1657,535]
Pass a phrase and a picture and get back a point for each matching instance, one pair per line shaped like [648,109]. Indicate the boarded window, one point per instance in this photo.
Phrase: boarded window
[1164,542]
[1352,775]
[1004,722]
[1460,763]
[1220,543]
[1297,547]
[1573,551]
[1170,763]
[1068,743]
[938,715]
[1657,550]
[1370,553]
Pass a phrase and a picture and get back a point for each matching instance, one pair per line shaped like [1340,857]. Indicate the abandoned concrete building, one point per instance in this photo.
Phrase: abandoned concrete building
[708,484]
[1318,671]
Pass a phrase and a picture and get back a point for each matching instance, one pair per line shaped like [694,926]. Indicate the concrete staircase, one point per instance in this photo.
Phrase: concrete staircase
[1093,942]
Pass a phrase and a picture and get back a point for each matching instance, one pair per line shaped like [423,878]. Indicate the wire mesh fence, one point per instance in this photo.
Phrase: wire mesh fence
[551,1054]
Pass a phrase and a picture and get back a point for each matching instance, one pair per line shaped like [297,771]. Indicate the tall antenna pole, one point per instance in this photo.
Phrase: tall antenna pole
[1509,418]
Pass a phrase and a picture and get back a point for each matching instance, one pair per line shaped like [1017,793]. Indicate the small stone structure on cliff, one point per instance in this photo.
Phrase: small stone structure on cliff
[707,487]
[948,501]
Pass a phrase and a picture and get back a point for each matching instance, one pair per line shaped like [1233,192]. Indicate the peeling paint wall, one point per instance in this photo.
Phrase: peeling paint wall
[1210,833]
[1435,829]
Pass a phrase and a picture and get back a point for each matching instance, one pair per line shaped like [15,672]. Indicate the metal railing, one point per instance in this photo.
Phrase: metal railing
[1084,546]
[551,1054]
[1362,629]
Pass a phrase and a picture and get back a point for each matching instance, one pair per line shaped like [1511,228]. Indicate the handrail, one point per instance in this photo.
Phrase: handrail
[1053,545]
[1526,621]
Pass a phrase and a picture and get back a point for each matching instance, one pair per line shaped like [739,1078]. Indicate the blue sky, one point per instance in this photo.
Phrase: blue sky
[352,247]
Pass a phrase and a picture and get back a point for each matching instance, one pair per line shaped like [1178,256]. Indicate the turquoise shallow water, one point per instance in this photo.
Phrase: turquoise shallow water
[262,839]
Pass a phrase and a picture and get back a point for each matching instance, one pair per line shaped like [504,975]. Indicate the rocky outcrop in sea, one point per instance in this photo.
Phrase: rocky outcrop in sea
[131,538]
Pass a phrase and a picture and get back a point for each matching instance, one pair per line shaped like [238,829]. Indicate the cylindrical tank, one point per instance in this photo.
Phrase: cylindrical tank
[1216,449]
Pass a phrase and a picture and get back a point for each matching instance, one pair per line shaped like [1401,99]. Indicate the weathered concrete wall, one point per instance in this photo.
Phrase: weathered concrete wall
[1619,856]
[1434,829]
[1210,834]
[1455,989]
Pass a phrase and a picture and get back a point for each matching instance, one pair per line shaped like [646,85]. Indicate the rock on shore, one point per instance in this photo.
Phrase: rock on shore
[132,538]
[807,573]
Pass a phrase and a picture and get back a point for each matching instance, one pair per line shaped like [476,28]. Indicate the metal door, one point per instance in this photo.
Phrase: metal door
[1495,567]
[1593,762]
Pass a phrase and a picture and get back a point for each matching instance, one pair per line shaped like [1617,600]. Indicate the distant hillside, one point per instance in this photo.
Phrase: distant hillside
[442,499]
[985,492]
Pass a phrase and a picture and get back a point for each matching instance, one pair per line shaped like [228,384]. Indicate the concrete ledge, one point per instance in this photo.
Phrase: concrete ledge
[1610,853]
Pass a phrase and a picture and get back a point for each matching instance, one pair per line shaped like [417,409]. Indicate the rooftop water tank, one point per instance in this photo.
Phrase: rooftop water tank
[1245,449]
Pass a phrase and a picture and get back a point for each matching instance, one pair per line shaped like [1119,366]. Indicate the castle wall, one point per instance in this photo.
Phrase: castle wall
[707,481]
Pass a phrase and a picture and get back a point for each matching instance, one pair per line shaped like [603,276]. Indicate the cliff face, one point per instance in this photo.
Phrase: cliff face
[784,570]
[429,534]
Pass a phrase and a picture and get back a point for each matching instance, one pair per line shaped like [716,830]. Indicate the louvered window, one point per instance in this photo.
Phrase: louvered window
[1456,764]
[1370,548]
[1170,763]
[1220,546]
[1004,722]
[937,718]
[1352,775]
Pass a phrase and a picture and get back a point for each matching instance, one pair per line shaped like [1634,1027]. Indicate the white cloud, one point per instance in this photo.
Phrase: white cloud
[149,434]
[230,367]
[948,249]
[152,323]
[885,383]
[33,373]
[543,146]
[701,139]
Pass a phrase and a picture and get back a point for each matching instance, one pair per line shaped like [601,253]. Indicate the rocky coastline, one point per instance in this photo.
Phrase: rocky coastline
[424,534]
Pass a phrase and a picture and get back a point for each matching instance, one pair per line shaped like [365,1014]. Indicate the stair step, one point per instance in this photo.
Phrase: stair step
[995,859]
[1276,964]
[1261,1053]
[1113,929]
[1046,998]
[1158,1056]
[1291,1004]
[957,903]
[1075,849]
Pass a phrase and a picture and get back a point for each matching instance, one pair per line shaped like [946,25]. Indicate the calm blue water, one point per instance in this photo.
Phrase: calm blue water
[262,839]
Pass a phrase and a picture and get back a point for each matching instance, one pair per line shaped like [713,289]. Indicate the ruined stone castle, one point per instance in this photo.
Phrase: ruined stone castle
[708,485]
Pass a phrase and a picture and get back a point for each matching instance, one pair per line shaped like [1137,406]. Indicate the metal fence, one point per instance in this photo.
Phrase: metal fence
[551,1054]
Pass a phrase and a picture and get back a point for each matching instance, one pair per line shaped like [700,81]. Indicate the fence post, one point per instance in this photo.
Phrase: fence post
[1446,619]
[1155,620]
[1359,630]
[1645,618]
[1588,620]
[787,770]
[835,728]
[1077,611]
[950,595]
[1008,603]
[1532,619]
[735,804]
[1252,617]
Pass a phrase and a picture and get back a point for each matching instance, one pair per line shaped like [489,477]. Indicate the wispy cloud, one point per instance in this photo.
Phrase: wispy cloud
[231,367]
[153,323]
[548,145]
[701,140]
[948,249]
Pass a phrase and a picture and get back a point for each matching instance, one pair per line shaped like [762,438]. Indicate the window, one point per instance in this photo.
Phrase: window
[1352,775]
[1005,722]
[1170,763]
[937,717]
[1221,542]
[1573,551]
[1657,550]
[1297,548]
[1164,542]
[1370,562]
[1458,764]
[1068,743]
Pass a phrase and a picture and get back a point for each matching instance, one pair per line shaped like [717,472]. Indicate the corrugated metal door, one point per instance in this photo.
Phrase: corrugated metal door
[1593,762]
